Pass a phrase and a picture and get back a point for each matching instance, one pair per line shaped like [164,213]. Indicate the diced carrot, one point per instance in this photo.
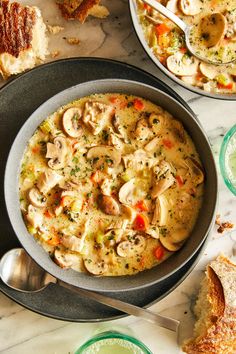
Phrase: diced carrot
[113,99]
[138,104]
[228,86]
[162,28]
[159,252]
[54,239]
[147,7]
[118,102]
[199,76]
[141,205]
[35,149]
[96,177]
[179,180]
[48,214]
[140,223]
[183,50]
[167,143]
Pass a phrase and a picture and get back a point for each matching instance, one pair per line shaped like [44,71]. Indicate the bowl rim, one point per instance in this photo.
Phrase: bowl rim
[230,133]
[140,36]
[11,194]
[113,334]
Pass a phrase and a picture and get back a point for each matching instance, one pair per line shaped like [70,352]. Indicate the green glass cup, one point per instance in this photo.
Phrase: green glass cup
[228,159]
[113,342]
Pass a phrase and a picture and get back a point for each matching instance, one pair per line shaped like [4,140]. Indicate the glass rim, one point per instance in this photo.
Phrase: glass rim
[230,133]
[110,335]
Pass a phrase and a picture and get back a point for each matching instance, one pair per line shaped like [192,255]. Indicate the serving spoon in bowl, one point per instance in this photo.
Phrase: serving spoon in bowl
[199,39]
[19,271]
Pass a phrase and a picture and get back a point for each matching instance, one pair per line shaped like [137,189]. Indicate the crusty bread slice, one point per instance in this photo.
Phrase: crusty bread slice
[77,9]
[23,41]
[215,309]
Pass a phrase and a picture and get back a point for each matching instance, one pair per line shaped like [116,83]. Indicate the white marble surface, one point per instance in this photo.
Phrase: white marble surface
[24,332]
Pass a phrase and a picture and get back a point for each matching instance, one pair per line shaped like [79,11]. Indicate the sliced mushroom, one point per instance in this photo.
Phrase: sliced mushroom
[47,180]
[128,212]
[36,198]
[34,216]
[156,121]
[126,192]
[98,267]
[182,65]
[114,235]
[190,7]
[197,175]
[210,71]
[66,259]
[105,186]
[131,248]
[71,122]
[172,5]
[108,205]
[174,240]
[104,154]
[96,115]
[153,231]
[160,214]
[142,129]
[178,131]
[153,144]
[57,152]
[212,29]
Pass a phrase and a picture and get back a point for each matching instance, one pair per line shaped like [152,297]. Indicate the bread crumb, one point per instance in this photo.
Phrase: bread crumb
[217,222]
[224,226]
[55,54]
[73,40]
[99,11]
[54,29]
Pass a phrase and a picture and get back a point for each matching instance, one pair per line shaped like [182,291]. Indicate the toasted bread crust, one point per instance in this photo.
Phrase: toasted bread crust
[220,337]
[77,9]
[16,24]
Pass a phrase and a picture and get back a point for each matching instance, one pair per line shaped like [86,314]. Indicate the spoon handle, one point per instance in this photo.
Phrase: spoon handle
[147,315]
[167,13]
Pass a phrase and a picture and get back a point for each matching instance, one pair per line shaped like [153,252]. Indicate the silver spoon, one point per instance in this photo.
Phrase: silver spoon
[188,29]
[20,272]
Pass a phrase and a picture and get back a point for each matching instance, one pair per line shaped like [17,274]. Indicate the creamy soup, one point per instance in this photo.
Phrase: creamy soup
[110,184]
[167,41]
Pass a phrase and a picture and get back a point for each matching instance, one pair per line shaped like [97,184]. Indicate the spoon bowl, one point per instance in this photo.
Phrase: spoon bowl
[20,272]
[209,33]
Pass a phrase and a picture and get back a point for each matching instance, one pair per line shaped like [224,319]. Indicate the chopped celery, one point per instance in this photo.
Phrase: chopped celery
[76,206]
[222,79]
[46,127]
[99,237]
[127,175]
[32,230]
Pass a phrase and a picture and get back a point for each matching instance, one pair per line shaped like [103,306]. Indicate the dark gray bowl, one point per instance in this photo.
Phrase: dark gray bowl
[141,37]
[124,283]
